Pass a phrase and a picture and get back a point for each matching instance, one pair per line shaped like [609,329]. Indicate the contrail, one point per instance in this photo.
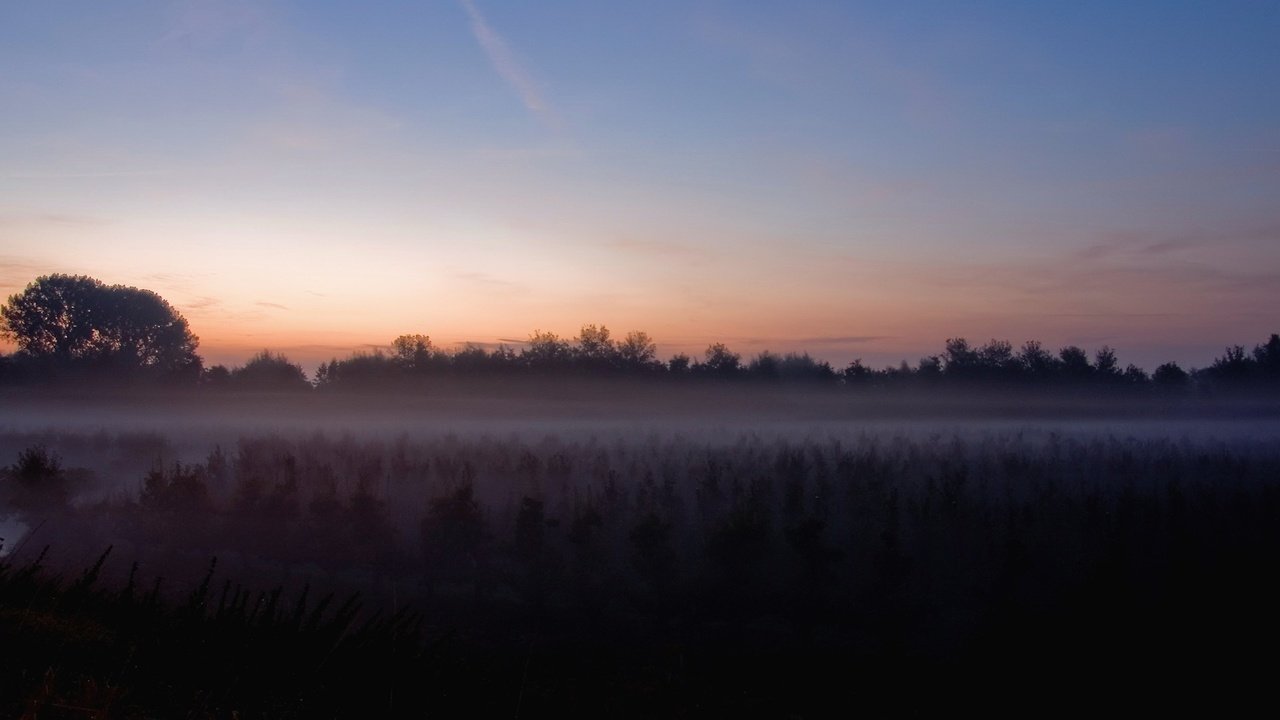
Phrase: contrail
[506,64]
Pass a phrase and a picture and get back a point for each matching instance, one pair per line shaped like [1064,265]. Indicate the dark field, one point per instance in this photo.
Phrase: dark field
[714,556]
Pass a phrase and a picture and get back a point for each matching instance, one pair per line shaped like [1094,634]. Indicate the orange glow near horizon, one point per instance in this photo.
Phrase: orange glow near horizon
[258,293]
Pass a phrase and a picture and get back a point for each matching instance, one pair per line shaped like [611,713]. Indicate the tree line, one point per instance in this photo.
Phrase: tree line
[594,353]
[77,328]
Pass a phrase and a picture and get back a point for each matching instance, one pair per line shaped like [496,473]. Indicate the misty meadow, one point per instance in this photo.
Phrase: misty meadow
[580,528]
[631,574]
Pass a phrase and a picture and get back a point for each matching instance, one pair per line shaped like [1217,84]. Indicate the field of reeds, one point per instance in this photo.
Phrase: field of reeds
[635,575]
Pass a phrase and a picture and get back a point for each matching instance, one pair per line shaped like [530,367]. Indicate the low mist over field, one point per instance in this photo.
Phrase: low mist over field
[664,566]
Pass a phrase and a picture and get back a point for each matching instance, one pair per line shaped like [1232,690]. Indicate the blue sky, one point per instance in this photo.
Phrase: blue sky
[854,179]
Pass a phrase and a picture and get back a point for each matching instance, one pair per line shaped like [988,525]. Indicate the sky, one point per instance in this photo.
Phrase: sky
[851,179]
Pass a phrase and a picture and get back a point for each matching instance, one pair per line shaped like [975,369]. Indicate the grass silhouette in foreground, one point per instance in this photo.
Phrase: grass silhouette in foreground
[649,577]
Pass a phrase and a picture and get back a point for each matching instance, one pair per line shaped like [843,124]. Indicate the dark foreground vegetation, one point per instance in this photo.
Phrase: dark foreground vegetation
[638,576]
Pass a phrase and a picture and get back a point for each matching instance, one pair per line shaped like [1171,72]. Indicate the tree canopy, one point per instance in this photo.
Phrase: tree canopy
[995,364]
[68,320]
[269,371]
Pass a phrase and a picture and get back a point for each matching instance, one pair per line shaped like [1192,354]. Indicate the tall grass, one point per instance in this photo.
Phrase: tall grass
[661,567]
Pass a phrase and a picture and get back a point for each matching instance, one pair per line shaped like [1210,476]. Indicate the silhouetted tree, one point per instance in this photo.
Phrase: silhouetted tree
[802,367]
[638,352]
[898,375]
[413,352]
[324,378]
[857,374]
[594,349]
[1171,376]
[765,366]
[959,359]
[997,361]
[1135,376]
[473,358]
[1037,363]
[929,369]
[1074,363]
[269,371]
[362,370]
[1105,365]
[1233,368]
[1267,356]
[679,364]
[216,376]
[545,350]
[721,361]
[65,320]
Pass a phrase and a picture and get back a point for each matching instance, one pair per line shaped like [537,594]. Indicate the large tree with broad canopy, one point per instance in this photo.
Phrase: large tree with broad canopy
[75,319]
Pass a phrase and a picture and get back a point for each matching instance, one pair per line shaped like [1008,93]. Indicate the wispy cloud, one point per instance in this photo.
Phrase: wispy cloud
[277,306]
[467,344]
[1148,245]
[488,282]
[179,278]
[202,303]
[1139,284]
[1161,247]
[844,339]
[505,63]
[791,344]
[1108,315]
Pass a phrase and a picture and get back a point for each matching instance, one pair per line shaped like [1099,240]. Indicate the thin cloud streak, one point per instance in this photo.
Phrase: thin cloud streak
[488,282]
[1111,315]
[845,340]
[505,63]
[473,344]
[202,303]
